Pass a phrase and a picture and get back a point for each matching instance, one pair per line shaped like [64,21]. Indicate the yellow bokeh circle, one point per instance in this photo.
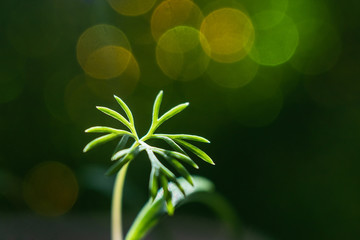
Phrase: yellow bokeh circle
[131,7]
[50,189]
[103,51]
[172,13]
[229,33]
[107,62]
[124,85]
[180,55]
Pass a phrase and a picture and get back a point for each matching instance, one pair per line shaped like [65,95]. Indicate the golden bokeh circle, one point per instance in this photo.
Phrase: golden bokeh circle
[180,55]
[123,85]
[229,33]
[172,13]
[50,189]
[132,7]
[107,62]
[103,51]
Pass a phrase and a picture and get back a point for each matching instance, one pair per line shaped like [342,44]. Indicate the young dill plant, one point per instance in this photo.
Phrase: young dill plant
[163,184]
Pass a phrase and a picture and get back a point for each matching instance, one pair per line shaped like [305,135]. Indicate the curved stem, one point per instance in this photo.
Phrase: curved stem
[116,222]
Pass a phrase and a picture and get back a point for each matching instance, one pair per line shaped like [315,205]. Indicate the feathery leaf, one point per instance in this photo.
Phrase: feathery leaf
[122,143]
[125,108]
[115,115]
[120,154]
[153,183]
[172,112]
[185,137]
[167,195]
[171,142]
[177,155]
[133,151]
[156,107]
[101,129]
[201,154]
[100,140]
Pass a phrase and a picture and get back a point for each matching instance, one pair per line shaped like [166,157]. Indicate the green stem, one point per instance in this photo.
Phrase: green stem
[116,222]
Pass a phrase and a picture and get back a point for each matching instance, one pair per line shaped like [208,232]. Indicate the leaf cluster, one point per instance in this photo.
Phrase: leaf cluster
[160,175]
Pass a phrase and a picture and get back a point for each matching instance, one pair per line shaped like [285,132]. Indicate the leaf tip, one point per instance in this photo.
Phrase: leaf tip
[170,209]
[160,95]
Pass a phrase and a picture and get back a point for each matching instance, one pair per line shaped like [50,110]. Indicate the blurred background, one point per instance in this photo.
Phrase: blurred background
[274,84]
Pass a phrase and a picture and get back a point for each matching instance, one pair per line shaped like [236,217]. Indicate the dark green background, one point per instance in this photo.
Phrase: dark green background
[294,178]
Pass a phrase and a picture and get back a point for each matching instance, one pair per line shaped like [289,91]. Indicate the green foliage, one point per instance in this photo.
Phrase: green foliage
[160,175]
[152,212]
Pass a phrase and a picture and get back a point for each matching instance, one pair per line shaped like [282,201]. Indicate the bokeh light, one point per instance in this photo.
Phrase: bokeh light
[132,7]
[229,33]
[276,38]
[172,13]
[50,189]
[123,85]
[272,83]
[180,54]
[107,62]
[233,75]
[103,51]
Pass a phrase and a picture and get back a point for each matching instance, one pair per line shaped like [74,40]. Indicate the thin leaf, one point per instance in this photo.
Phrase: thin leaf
[169,175]
[172,112]
[156,107]
[153,211]
[177,155]
[122,143]
[153,159]
[100,140]
[153,183]
[120,154]
[185,137]
[134,150]
[115,115]
[178,166]
[157,164]
[171,142]
[125,108]
[182,171]
[101,129]
[167,195]
[201,154]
